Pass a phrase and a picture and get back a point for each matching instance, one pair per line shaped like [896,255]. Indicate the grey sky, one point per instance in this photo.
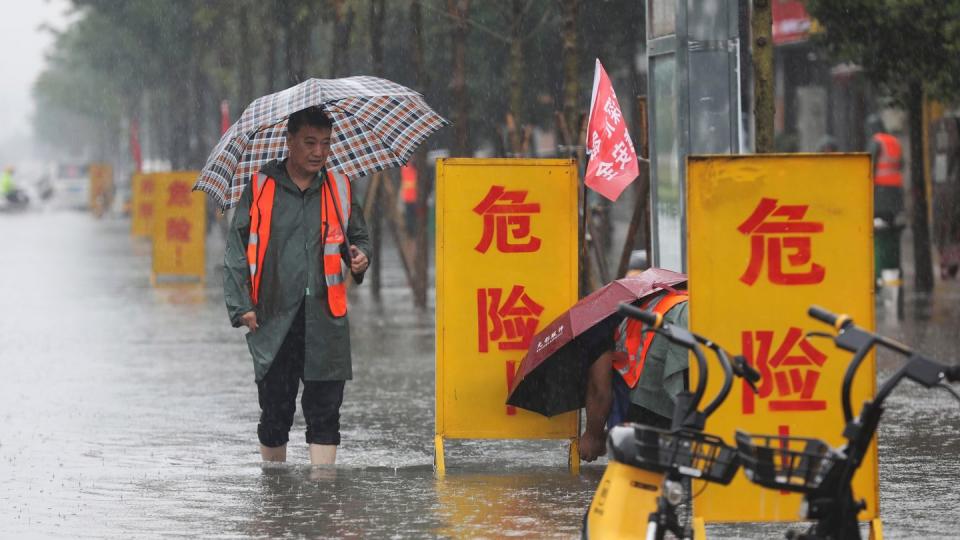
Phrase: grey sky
[22,48]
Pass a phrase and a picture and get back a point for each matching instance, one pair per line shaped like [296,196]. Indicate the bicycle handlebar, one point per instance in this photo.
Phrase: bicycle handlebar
[859,341]
[952,374]
[648,318]
[825,316]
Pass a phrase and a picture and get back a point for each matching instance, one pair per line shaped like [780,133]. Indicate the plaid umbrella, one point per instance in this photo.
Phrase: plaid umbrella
[377,124]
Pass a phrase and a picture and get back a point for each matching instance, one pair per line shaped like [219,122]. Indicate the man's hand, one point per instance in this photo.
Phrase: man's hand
[358,261]
[249,319]
[592,446]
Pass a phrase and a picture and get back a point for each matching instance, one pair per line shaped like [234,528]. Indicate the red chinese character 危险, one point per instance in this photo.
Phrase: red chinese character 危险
[778,234]
[178,230]
[146,209]
[507,216]
[179,194]
[509,322]
[791,368]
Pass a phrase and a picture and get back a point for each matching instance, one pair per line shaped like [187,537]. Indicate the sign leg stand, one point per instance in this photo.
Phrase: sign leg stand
[699,529]
[438,464]
[876,529]
[573,459]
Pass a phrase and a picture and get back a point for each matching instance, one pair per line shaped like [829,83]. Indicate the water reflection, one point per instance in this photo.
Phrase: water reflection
[129,411]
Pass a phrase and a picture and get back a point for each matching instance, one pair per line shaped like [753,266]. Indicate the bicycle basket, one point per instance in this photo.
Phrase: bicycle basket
[786,463]
[685,452]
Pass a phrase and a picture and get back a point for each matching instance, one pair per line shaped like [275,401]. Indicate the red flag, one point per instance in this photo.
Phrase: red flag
[613,160]
[224,116]
[135,151]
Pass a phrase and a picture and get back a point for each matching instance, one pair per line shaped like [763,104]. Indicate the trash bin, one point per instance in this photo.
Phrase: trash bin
[886,246]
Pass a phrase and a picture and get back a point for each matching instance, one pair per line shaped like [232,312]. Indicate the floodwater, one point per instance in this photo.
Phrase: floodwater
[130,411]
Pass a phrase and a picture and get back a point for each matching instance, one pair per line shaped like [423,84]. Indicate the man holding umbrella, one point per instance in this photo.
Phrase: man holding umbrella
[296,227]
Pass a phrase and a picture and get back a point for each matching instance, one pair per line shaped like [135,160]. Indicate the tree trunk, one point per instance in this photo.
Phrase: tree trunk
[272,28]
[199,144]
[459,11]
[297,25]
[571,76]
[763,112]
[923,264]
[245,61]
[380,198]
[421,266]
[377,14]
[340,48]
[515,76]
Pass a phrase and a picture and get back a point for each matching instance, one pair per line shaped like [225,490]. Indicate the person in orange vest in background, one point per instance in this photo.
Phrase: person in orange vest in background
[888,218]
[637,378]
[408,192]
[886,154]
[296,232]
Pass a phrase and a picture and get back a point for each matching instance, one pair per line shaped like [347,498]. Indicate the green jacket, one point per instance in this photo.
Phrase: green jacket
[292,274]
[6,183]
[664,372]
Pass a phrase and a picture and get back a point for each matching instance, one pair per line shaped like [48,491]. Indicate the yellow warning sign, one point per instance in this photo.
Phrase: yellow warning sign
[769,235]
[179,227]
[144,188]
[506,266]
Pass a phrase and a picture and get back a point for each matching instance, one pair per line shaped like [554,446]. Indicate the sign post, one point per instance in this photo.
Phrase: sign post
[506,266]
[179,228]
[769,235]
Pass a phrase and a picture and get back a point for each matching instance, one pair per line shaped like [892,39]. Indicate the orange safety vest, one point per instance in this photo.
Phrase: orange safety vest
[408,183]
[633,345]
[338,208]
[887,169]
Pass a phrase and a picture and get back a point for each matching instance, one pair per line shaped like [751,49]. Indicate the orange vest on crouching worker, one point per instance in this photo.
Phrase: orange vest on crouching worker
[633,345]
[334,218]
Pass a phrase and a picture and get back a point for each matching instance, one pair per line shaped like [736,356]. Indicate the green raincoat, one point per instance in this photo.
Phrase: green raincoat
[664,370]
[292,274]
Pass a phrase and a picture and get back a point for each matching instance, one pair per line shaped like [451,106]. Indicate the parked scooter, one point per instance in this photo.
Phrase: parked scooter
[648,474]
[15,201]
[824,474]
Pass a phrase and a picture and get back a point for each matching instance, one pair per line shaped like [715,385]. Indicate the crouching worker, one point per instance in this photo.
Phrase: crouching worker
[638,377]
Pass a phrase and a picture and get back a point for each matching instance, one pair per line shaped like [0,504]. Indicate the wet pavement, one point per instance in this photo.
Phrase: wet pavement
[128,410]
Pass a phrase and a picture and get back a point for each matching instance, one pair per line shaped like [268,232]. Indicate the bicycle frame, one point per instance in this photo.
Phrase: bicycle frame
[627,490]
[831,503]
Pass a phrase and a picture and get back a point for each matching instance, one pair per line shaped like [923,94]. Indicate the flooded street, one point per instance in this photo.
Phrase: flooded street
[130,411]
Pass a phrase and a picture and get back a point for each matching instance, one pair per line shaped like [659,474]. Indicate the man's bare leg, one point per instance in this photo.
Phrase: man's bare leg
[278,453]
[593,443]
[323,454]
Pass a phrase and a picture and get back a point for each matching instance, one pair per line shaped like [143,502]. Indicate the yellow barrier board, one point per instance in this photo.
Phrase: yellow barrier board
[179,227]
[101,187]
[506,267]
[142,203]
[769,235]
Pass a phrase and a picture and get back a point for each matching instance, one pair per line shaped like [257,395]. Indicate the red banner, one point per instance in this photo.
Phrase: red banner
[135,151]
[613,160]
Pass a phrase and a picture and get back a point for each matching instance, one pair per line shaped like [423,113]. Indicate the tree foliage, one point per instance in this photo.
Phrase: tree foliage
[169,64]
[896,41]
